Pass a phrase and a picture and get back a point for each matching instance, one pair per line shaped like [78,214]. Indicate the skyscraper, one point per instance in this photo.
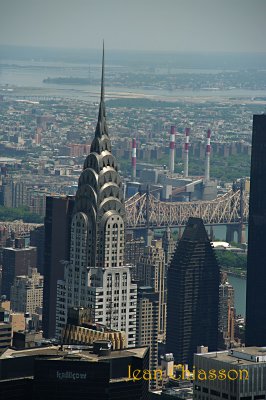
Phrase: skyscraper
[193,295]
[168,244]
[151,272]
[95,276]
[226,312]
[147,325]
[56,248]
[16,261]
[256,263]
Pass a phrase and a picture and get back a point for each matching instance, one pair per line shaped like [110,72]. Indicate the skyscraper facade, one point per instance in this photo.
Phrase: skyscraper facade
[193,295]
[147,325]
[151,272]
[226,311]
[17,260]
[95,276]
[56,249]
[26,293]
[168,244]
[256,262]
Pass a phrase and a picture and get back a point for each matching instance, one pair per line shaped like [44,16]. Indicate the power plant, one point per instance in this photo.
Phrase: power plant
[134,158]
[168,185]
[186,153]
[172,151]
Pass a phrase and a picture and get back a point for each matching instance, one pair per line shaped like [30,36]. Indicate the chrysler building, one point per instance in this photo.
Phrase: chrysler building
[95,276]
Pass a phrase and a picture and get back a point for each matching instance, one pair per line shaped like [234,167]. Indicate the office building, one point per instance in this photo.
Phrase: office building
[147,326]
[236,374]
[56,249]
[193,295]
[168,244]
[26,293]
[62,373]
[95,276]
[16,261]
[151,272]
[134,248]
[37,236]
[226,312]
[5,335]
[256,269]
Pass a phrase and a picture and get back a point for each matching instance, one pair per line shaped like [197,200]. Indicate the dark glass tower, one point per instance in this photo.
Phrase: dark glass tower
[256,265]
[57,225]
[193,295]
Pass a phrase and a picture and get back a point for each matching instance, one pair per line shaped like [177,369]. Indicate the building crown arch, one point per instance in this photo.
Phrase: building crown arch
[111,204]
[92,161]
[110,190]
[108,160]
[108,174]
[88,192]
[88,176]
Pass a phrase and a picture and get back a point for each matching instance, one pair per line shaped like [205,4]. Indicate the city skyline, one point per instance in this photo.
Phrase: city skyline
[204,25]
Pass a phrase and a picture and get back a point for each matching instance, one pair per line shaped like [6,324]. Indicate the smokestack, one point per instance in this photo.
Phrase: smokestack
[208,154]
[187,130]
[134,158]
[172,150]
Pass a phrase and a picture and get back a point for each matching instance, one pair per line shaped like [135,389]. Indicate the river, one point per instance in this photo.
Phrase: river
[239,284]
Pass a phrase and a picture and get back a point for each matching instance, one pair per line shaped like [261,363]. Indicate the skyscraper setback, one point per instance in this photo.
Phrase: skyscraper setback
[193,295]
[256,268]
[95,275]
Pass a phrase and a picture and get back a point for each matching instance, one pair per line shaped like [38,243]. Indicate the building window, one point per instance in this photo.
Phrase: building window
[216,393]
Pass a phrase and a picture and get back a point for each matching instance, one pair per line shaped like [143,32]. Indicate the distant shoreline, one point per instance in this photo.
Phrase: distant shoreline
[242,275]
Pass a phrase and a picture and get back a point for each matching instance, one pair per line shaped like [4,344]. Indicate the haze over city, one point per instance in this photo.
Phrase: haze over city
[148,25]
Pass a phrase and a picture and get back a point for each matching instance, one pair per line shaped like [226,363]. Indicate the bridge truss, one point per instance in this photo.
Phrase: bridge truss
[144,210]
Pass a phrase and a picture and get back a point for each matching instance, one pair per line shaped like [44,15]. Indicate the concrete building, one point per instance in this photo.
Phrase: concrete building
[147,326]
[226,311]
[25,339]
[96,276]
[168,244]
[26,293]
[16,261]
[5,335]
[151,272]
[235,374]
[134,248]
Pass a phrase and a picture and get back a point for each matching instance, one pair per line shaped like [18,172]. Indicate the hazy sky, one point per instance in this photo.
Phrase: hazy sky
[170,25]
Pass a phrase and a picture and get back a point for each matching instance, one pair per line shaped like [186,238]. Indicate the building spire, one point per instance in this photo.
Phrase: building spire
[102,81]
[101,130]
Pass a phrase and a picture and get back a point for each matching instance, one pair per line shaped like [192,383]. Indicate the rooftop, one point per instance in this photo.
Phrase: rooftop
[239,356]
[78,353]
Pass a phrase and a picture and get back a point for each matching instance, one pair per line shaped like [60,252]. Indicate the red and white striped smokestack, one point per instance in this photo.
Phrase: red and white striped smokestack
[134,158]
[187,130]
[208,154]
[172,150]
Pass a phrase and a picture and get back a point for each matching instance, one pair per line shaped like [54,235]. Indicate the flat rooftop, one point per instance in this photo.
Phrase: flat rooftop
[239,356]
[73,353]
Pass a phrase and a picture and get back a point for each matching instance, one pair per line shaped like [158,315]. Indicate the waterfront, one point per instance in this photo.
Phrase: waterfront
[26,78]
[239,285]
